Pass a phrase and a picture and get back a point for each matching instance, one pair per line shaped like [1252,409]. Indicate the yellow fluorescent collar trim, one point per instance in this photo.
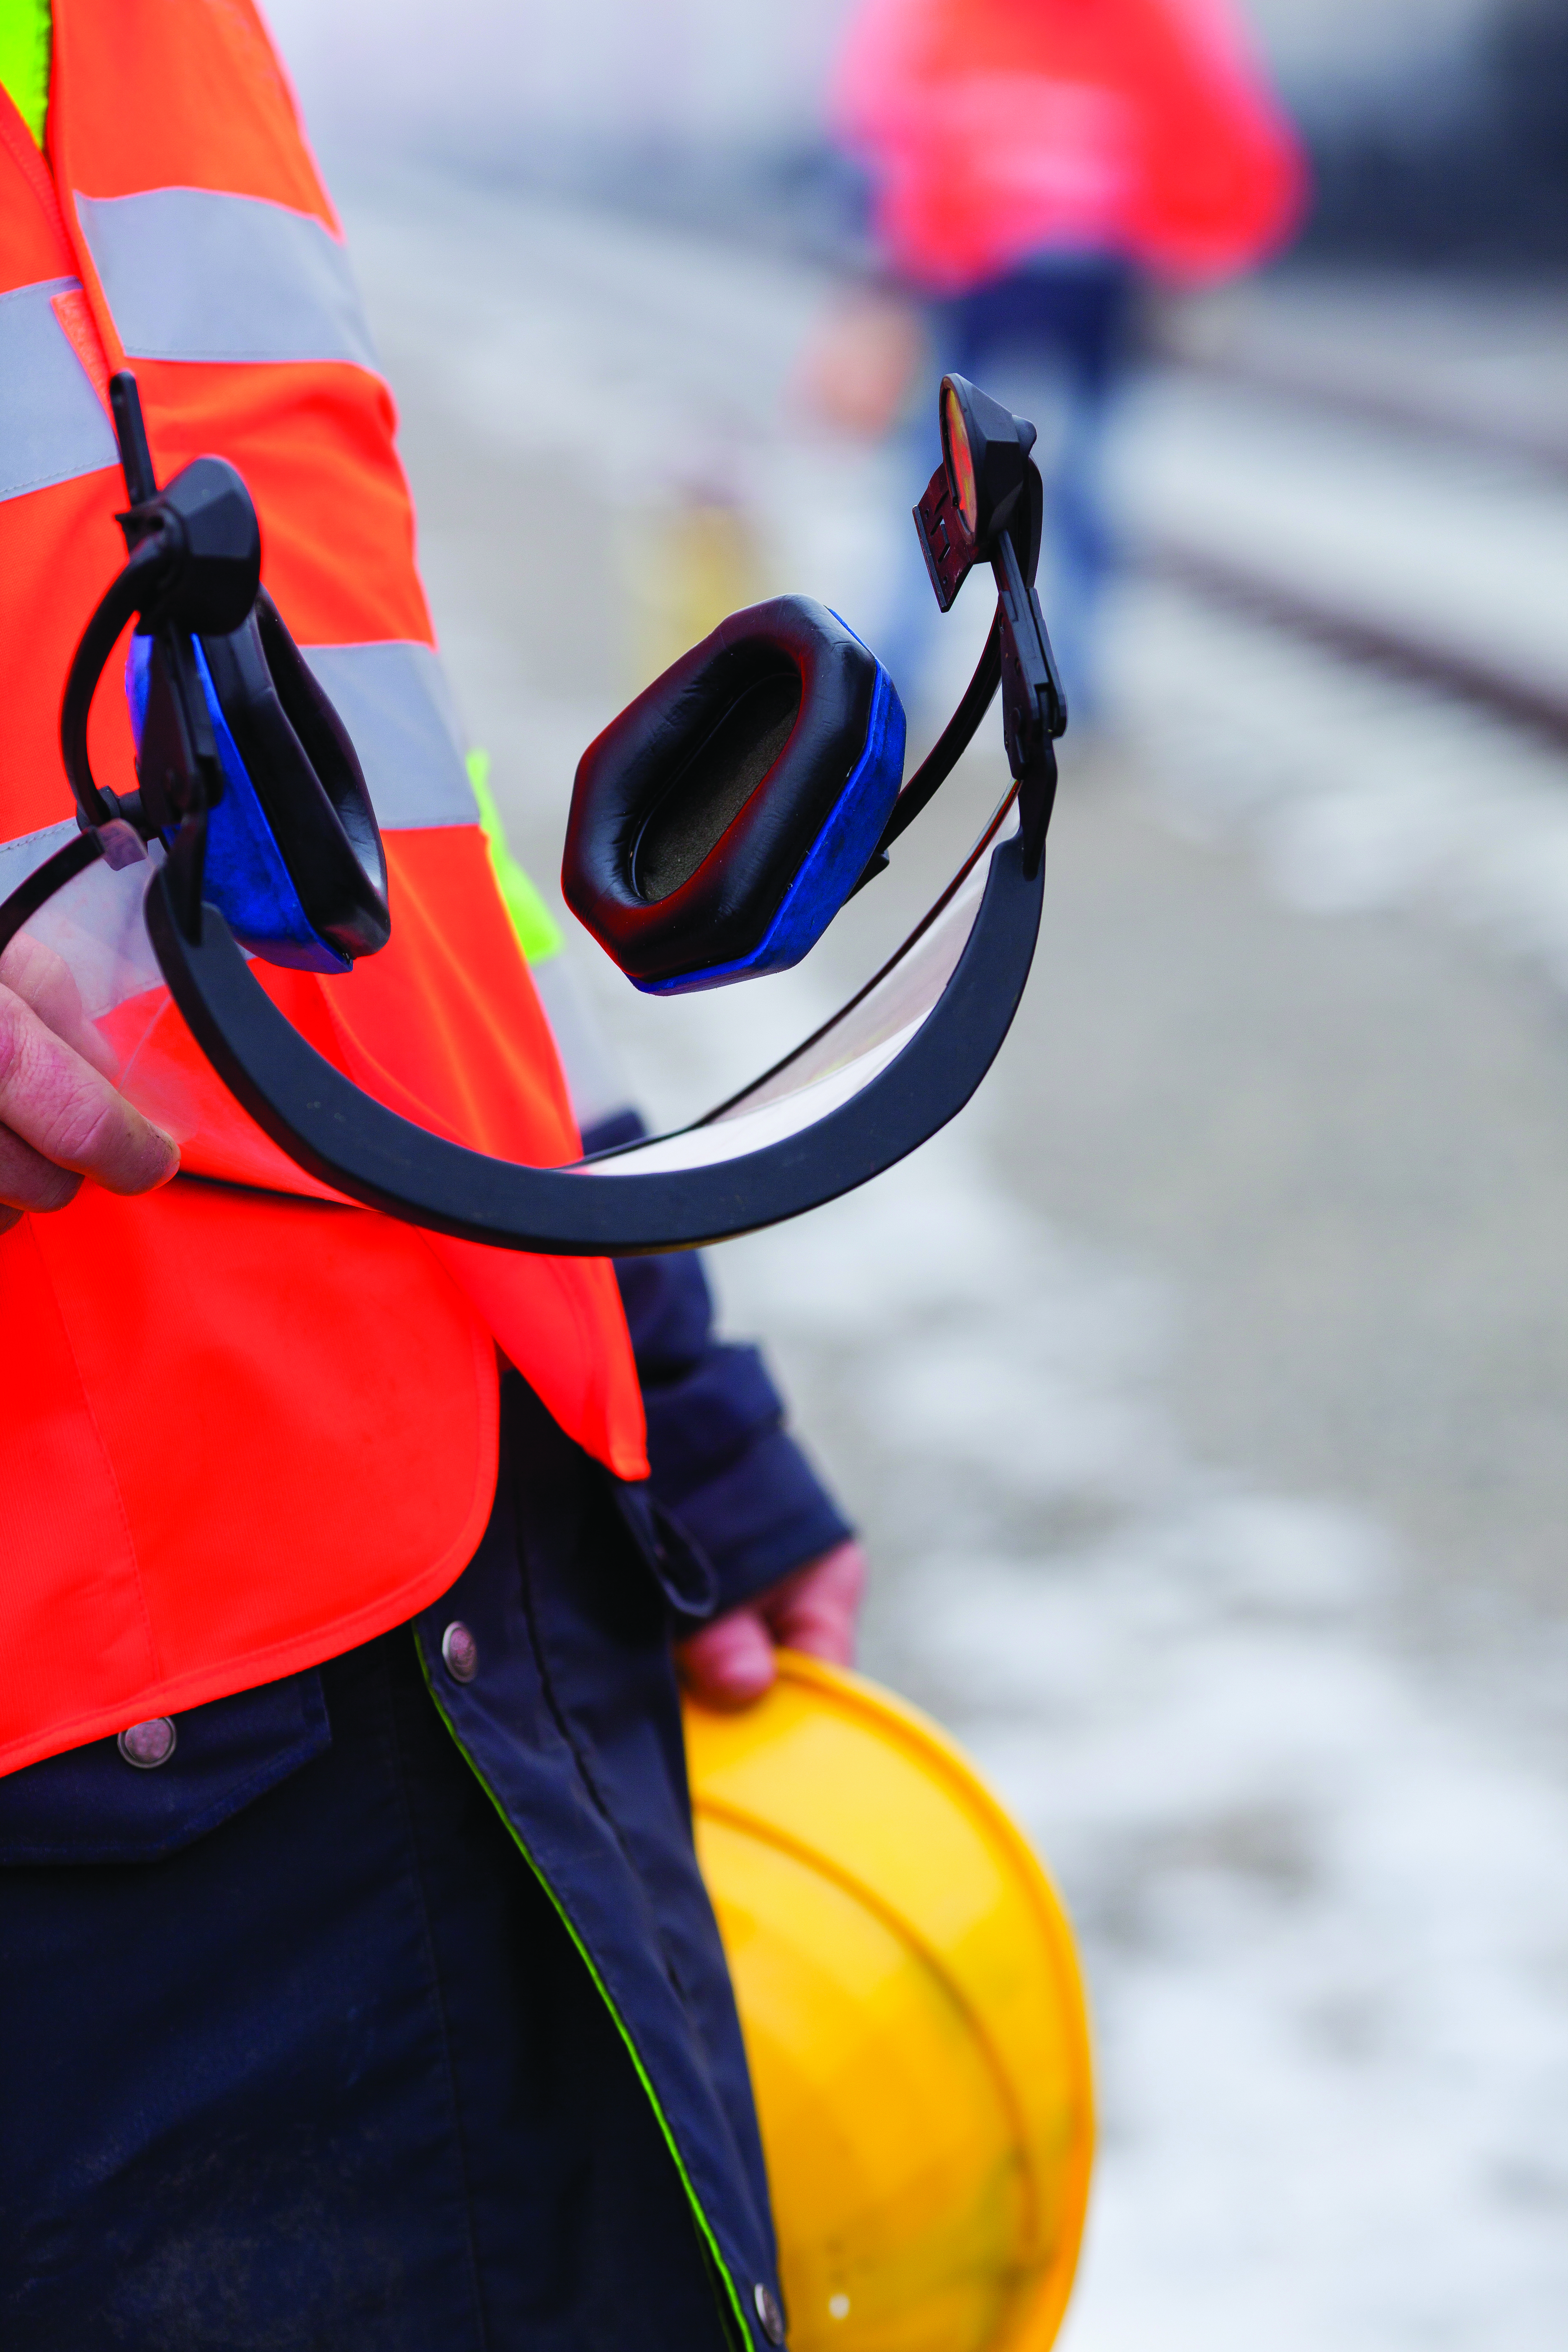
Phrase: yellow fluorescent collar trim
[26,30]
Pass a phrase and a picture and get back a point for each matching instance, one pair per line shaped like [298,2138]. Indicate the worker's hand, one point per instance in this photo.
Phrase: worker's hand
[60,1116]
[731,1661]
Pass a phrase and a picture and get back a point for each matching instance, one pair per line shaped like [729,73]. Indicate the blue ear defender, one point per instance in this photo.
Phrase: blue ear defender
[293,862]
[247,877]
[720,822]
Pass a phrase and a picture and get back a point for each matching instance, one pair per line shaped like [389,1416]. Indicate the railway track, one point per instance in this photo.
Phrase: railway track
[1512,459]
[1404,652]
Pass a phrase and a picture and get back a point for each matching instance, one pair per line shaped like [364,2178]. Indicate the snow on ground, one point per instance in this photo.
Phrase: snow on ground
[1465,549]
[1355,790]
[1320,1888]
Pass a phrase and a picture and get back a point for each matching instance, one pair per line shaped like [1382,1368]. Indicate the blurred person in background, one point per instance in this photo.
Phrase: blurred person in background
[1031,162]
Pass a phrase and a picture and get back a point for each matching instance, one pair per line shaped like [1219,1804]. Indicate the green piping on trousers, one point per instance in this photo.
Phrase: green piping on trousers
[737,2307]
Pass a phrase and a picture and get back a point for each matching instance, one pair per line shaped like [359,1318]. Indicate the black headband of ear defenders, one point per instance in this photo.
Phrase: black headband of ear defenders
[717,825]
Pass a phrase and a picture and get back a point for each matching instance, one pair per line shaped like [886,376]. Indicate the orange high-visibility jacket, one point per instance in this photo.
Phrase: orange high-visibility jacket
[243,1424]
[997,128]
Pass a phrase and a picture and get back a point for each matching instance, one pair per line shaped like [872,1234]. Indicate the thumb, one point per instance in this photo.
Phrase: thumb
[816,1609]
[731,1661]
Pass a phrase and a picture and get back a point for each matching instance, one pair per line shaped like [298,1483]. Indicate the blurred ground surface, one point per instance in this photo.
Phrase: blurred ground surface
[1202,1392]
[1486,363]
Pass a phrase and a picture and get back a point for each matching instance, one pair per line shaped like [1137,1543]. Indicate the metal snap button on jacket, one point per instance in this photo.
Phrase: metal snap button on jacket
[768,2311]
[460,1652]
[148,1745]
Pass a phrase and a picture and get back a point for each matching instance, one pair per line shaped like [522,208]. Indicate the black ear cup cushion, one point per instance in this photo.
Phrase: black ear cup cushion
[716,784]
[297,755]
[692,812]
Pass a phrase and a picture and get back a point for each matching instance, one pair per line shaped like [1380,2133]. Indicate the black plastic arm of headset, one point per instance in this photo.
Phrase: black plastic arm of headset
[945,752]
[339,1135]
[134,586]
[1033,708]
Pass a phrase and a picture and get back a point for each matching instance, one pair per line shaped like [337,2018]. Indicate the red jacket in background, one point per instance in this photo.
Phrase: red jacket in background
[997,128]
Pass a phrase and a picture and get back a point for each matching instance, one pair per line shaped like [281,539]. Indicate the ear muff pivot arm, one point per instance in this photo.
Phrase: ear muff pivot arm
[194,566]
[985,503]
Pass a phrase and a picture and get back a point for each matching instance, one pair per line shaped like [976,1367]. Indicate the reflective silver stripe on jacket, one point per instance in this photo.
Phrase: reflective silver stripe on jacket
[52,423]
[193,275]
[396,703]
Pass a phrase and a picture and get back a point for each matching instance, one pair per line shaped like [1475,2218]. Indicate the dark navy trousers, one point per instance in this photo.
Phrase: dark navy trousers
[315,2037]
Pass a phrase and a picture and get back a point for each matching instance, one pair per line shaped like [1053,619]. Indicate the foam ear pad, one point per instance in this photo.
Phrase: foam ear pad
[721,820]
[307,778]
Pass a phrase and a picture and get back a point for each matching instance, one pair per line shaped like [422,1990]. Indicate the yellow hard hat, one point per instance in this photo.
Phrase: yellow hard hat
[913,2014]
